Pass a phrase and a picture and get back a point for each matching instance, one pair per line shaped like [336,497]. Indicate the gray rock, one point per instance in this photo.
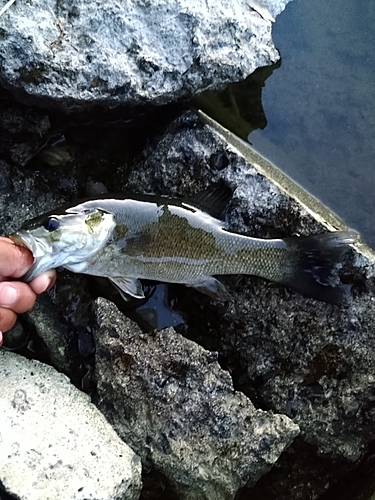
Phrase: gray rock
[110,53]
[54,442]
[170,400]
[25,194]
[15,338]
[23,131]
[287,353]
[59,318]
[47,323]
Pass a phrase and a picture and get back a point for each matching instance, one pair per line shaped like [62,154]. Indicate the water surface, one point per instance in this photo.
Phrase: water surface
[320,105]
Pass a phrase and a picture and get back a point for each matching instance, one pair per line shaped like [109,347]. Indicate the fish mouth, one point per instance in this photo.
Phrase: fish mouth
[21,241]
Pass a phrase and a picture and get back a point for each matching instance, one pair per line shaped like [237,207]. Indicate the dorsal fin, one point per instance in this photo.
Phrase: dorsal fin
[213,200]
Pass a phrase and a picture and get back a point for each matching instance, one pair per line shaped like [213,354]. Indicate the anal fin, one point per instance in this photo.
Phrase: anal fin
[211,287]
[128,286]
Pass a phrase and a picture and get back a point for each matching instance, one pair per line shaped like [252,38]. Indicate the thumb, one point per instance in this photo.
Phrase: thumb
[15,260]
[43,282]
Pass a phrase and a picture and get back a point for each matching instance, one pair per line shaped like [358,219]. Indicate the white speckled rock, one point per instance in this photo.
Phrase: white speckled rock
[75,55]
[54,444]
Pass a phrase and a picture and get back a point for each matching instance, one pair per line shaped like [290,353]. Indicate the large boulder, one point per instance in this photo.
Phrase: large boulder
[55,443]
[134,52]
[170,400]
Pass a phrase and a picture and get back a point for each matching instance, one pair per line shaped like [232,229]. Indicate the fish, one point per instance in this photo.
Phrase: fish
[128,238]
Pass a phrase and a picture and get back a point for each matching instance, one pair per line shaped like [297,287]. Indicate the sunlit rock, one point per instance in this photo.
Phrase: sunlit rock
[109,53]
[54,443]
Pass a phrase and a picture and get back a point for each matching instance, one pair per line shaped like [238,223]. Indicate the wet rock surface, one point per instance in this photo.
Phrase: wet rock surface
[171,402]
[108,53]
[23,131]
[55,443]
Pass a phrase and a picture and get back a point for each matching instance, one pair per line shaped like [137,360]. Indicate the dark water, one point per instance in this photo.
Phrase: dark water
[320,105]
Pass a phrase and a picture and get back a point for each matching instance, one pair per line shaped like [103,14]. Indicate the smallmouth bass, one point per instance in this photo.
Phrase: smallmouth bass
[128,238]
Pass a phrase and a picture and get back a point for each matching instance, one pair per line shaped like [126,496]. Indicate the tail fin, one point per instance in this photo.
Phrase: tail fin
[316,258]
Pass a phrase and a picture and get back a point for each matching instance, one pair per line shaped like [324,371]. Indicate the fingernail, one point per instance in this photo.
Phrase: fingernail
[8,295]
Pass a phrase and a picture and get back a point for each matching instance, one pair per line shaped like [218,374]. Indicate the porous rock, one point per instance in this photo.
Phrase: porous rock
[25,194]
[58,319]
[170,400]
[23,130]
[289,353]
[52,332]
[54,443]
[134,52]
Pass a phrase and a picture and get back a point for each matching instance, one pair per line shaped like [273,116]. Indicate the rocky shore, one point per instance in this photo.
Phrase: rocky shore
[269,395]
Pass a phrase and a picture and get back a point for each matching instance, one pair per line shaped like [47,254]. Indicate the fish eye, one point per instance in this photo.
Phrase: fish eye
[51,224]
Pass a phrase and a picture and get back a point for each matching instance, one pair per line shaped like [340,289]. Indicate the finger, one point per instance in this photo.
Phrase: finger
[8,319]
[43,282]
[16,296]
[15,260]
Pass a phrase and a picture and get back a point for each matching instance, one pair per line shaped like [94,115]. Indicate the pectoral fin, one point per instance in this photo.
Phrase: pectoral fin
[129,286]
[213,288]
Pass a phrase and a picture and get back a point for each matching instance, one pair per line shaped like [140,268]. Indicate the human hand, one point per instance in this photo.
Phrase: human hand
[15,296]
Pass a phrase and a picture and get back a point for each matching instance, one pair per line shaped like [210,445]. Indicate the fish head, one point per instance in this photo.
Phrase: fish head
[64,238]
